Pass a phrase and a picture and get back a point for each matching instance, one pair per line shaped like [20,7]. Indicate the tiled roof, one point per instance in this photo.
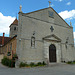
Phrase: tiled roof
[15,22]
[6,39]
[10,39]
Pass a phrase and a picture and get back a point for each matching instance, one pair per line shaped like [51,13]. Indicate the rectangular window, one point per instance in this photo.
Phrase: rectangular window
[32,41]
[14,28]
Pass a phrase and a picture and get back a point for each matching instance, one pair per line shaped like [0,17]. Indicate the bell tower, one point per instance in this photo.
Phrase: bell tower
[14,28]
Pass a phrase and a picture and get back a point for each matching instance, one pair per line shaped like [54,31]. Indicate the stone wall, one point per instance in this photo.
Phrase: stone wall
[1,57]
[40,22]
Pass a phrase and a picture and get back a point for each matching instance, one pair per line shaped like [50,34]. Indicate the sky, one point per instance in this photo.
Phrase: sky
[9,11]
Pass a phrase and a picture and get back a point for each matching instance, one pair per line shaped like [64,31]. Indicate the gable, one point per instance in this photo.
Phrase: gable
[42,15]
[48,15]
[15,22]
[52,38]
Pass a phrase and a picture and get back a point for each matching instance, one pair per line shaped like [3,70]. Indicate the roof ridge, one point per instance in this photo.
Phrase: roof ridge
[36,10]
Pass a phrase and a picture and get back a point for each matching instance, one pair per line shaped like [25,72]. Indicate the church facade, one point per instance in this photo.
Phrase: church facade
[44,36]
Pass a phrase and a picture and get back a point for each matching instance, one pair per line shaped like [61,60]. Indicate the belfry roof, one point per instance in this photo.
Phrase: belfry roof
[15,22]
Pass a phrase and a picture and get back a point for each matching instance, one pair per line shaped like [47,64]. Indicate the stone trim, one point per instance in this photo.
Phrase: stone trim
[30,40]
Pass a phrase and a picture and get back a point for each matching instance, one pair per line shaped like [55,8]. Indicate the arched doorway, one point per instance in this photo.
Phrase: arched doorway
[52,53]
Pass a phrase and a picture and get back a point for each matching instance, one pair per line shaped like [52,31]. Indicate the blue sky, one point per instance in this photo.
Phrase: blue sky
[9,9]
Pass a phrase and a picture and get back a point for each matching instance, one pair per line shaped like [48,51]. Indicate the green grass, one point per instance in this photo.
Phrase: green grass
[71,62]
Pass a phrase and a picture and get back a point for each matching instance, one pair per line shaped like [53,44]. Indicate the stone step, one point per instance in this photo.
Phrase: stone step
[56,64]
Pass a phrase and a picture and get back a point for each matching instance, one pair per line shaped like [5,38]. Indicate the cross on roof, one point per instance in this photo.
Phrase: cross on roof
[49,3]
[51,28]
[20,8]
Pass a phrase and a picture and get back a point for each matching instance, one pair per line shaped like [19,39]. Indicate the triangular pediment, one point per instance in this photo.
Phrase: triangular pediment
[52,38]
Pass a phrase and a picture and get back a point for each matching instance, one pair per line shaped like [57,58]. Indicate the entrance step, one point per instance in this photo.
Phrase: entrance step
[56,64]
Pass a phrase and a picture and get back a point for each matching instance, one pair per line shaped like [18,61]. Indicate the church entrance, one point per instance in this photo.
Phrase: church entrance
[52,53]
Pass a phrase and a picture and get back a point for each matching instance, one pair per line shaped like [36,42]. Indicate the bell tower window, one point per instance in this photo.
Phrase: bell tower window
[14,28]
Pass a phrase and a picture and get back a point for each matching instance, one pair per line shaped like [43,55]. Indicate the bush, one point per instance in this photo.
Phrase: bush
[44,63]
[39,63]
[69,62]
[32,64]
[8,62]
[23,64]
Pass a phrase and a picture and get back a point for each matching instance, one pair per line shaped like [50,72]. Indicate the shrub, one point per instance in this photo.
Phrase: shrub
[44,63]
[23,64]
[41,63]
[32,64]
[69,62]
[74,61]
[8,62]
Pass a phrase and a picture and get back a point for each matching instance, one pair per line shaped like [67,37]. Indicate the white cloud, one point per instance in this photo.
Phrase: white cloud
[69,3]
[52,5]
[67,14]
[59,0]
[5,22]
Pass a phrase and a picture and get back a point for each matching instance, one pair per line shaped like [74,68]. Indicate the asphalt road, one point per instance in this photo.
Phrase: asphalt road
[51,70]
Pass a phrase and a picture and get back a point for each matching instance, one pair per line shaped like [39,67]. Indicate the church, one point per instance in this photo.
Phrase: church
[38,36]
[43,35]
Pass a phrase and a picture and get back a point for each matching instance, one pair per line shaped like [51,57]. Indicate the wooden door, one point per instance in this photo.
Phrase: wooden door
[52,53]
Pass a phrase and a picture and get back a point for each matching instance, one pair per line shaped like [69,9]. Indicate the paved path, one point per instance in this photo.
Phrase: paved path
[52,70]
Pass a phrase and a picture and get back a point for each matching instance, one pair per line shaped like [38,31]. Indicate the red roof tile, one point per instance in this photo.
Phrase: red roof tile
[6,39]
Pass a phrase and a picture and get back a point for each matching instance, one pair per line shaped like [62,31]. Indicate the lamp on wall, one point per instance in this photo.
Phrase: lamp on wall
[33,32]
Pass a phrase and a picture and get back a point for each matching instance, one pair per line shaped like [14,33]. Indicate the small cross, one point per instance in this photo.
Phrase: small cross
[51,28]
[49,3]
